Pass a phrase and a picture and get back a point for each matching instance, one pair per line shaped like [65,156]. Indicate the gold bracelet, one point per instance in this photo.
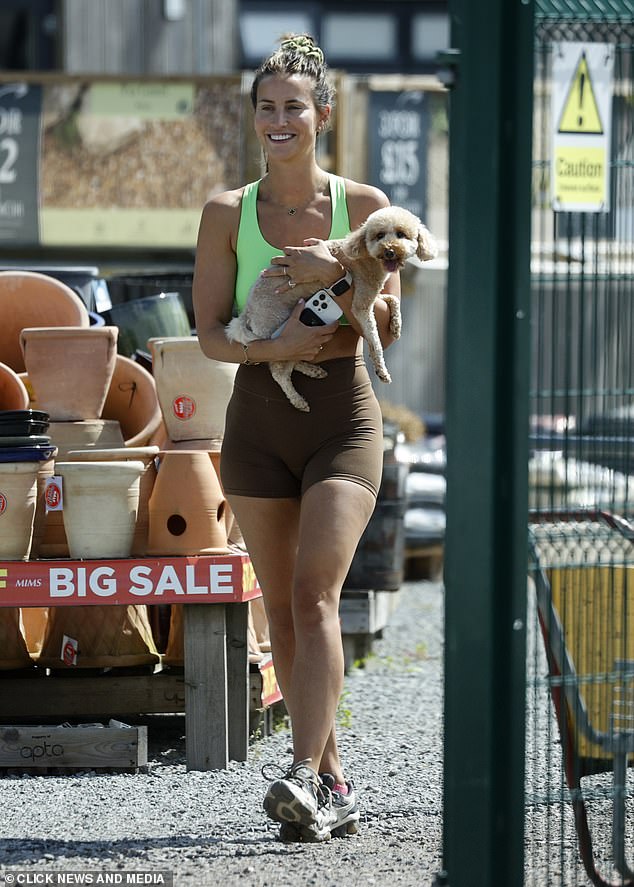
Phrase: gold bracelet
[246,362]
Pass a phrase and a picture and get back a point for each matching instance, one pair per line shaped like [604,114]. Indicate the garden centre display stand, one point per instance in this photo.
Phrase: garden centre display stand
[215,687]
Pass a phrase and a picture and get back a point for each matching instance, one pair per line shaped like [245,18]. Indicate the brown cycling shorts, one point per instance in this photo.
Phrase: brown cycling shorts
[272,450]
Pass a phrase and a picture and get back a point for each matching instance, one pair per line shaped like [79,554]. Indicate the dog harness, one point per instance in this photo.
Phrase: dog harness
[254,253]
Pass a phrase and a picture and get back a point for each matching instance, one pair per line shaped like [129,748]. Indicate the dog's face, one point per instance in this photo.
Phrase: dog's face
[392,235]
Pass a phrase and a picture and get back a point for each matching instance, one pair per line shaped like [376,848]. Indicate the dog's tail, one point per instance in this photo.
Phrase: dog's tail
[238,331]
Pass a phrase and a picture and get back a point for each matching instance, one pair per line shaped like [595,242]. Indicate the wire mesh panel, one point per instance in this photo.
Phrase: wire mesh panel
[580,669]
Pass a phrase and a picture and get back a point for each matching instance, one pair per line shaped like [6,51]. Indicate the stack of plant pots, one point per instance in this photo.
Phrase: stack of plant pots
[188,510]
[48,352]
[70,370]
[189,514]
[26,457]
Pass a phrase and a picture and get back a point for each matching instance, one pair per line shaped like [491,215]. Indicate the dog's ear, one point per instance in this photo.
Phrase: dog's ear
[354,245]
[427,246]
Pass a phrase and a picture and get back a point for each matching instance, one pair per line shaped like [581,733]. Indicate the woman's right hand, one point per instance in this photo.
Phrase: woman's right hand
[304,342]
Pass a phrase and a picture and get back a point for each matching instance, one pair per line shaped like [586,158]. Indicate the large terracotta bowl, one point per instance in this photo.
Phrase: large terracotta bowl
[31,299]
[13,393]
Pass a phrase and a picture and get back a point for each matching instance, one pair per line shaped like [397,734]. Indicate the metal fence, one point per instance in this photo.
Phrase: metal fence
[579,790]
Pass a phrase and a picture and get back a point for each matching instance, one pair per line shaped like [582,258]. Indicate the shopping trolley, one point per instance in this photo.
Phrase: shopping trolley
[583,566]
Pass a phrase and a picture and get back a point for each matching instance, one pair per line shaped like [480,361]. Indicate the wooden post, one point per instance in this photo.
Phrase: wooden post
[205,649]
[237,616]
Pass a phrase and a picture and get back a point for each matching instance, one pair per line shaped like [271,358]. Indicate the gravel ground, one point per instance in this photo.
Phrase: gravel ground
[208,827]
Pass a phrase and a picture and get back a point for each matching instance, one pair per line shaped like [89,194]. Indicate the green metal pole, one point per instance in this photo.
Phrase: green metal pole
[487,442]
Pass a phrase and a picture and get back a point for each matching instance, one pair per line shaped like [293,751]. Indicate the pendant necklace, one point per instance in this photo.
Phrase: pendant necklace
[293,210]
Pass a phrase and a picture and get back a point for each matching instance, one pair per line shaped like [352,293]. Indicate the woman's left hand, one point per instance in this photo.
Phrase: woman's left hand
[311,263]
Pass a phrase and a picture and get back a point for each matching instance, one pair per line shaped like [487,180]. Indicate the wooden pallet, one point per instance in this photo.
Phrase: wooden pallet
[86,747]
[363,616]
[425,562]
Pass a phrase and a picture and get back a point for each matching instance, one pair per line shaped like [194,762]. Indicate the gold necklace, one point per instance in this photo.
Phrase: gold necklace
[293,210]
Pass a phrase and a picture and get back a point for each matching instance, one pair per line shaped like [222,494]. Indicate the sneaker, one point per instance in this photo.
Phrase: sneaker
[299,799]
[345,807]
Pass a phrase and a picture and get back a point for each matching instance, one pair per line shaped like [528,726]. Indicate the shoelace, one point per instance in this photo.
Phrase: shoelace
[275,771]
[324,796]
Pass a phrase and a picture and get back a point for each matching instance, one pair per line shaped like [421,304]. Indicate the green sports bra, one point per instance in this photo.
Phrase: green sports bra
[254,253]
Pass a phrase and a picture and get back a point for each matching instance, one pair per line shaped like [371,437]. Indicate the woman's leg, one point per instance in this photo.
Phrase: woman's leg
[270,528]
[334,514]
[301,553]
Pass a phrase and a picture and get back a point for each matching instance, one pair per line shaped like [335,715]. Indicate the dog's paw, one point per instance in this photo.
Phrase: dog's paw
[313,370]
[300,404]
[384,376]
[395,315]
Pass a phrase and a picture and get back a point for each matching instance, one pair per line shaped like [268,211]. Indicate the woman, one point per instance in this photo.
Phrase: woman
[302,485]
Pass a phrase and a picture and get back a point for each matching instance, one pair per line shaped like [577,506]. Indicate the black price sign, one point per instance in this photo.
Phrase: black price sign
[20,106]
[397,157]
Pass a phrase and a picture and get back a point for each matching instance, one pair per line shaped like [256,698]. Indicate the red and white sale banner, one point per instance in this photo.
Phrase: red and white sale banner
[209,579]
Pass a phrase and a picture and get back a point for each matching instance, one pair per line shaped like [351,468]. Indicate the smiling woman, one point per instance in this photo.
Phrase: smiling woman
[284,470]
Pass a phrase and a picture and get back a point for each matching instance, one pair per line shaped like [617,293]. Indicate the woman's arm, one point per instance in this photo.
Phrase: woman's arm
[214,277]
[213,294]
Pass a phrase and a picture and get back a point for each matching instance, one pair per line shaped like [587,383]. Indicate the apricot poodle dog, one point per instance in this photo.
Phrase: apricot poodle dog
[380,246]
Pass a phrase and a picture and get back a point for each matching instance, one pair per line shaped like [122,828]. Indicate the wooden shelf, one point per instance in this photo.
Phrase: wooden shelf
[214,690]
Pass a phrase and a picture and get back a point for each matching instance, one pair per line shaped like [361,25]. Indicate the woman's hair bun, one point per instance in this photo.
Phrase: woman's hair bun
[302,44]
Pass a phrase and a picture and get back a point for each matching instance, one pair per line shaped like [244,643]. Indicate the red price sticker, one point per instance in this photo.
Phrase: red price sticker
[53,494]
[184,407]
[3,503]
[70,650]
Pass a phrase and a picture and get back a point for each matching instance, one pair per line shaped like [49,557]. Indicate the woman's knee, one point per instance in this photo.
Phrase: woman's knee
[314,611]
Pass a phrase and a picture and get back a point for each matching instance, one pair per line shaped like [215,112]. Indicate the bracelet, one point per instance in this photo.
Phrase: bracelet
[246,362]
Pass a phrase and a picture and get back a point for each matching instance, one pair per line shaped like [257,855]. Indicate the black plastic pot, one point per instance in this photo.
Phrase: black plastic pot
[23,423]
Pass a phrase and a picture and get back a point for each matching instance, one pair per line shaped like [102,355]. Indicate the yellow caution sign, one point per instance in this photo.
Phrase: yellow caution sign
[582,93]
[580,113]
[580,176]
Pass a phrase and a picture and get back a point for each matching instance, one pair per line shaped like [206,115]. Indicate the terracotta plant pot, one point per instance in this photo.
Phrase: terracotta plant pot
[147,455]
[30,299]
[101,501]
[18,498]
[13,393]
[70,369]
[34,621]
[13,650]
[101,433]
[175,651]
[68,436]
[45,470]
[193,390]
[132,400]
[187,506]
[107,636]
